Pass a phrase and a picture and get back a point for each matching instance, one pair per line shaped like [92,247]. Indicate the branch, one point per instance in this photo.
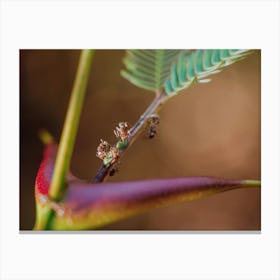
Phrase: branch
[134,133]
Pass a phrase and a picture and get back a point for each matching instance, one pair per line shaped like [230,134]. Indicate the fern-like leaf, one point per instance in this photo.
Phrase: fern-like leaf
[149,69]
[196,65]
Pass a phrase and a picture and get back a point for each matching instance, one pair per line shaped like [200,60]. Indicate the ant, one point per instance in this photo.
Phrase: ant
[153,121]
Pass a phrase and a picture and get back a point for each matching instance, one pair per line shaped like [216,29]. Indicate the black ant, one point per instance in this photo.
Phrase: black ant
[153,123]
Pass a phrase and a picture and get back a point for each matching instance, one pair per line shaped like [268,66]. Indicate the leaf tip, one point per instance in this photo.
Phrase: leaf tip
[45,137]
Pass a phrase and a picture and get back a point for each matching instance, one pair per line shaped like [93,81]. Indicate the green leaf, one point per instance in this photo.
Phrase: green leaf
[194,66]
[149,69]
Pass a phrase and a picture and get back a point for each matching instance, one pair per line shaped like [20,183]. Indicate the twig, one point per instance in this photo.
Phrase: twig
[134,132]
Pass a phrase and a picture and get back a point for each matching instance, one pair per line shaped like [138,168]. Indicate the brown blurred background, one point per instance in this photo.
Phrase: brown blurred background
[210,129]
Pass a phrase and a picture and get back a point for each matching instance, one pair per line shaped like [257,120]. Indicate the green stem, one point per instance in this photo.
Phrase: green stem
[68,137]
[71,124]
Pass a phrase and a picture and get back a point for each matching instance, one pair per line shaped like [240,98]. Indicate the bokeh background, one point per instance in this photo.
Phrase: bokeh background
[209,129]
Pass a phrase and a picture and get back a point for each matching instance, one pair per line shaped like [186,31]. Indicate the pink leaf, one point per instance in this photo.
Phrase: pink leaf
[86,205]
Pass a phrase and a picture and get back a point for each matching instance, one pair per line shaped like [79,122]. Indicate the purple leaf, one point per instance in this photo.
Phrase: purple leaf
[86,205]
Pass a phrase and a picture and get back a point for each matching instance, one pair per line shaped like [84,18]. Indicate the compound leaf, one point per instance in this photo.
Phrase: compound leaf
[171,71]
[148,69]
[194,66]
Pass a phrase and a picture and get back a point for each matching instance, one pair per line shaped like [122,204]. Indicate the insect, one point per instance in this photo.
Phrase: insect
[153,123]
[103,149]
[113,170]
[122,131]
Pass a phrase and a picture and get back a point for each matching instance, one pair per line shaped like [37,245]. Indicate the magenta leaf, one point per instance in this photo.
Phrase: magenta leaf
[87,206]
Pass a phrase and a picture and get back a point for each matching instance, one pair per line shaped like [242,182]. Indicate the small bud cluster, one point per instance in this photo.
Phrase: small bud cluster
[110,155]
[103,149]
[122,131]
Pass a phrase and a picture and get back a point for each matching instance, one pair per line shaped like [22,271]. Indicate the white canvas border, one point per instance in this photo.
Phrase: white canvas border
[119,24]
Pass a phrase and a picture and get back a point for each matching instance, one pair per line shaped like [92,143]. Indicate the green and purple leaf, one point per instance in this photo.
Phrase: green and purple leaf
[87,206]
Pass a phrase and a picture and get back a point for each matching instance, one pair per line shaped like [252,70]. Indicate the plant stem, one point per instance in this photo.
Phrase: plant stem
[67,140]
[134,132]
[71,124]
